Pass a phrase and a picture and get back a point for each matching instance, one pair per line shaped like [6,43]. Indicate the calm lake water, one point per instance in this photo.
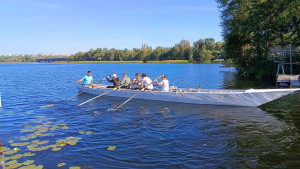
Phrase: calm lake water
[143,134]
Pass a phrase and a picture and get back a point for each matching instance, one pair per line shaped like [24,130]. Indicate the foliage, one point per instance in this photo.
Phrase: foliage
[202,51]
[251,27]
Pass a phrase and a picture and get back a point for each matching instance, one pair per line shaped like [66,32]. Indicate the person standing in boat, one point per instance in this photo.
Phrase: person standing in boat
[164,83]
[114,80]
[147,82]
[138,82]
[125,83]
[87,79]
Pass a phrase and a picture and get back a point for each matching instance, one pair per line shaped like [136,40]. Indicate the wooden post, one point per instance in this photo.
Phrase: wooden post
[291,65]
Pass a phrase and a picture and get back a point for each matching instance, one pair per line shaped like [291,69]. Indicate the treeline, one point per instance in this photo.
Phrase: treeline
[27,58]
[251,28]
[201,51]
[20,58]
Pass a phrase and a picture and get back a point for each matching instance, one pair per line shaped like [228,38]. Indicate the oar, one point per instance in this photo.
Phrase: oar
[86,89]
[143,89]
[97,96]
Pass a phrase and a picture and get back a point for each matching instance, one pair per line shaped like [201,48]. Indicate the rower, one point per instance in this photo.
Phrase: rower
[87,79]
[147,82]
[138,82]
[125,83]
[164,83]
[114,80]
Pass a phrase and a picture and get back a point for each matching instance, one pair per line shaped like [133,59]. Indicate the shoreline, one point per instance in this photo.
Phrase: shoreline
[163,61]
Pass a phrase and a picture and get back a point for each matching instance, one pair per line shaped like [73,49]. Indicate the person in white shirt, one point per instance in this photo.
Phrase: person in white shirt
[147,82]
[164,83]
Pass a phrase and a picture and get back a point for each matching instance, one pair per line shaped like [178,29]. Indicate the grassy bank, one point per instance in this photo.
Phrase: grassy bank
[105,62]
[169,61]
[163,61]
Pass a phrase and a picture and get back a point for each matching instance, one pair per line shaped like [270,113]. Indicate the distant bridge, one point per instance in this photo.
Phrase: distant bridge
[50,60]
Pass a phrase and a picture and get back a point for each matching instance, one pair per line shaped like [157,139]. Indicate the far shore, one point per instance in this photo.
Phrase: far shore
[162,61]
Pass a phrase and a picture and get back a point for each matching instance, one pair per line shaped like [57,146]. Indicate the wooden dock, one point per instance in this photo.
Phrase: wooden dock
[287,80]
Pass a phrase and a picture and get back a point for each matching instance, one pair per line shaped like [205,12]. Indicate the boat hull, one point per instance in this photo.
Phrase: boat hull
[250,97]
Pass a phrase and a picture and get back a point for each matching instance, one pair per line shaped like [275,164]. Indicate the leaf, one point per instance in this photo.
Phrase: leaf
[110,148]
[89,132]
[81,132]
[61,164]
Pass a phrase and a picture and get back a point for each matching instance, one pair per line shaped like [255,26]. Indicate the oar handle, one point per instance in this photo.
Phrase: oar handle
[97,97]
[143,89]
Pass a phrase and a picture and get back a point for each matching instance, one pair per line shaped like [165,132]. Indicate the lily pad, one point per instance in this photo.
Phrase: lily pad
[29,154]
[110,148]
[43,142]
[11,162]
[17,156]
[89,132]
[56,149]
[81,132]
[54,127]
[64,127]
[61,164]
[32,167]
[28,162]
[10,152]
[16,165]
[74,167]
[19,144]
[2,149]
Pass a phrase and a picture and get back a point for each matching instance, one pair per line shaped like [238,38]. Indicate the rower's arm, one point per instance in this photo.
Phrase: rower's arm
[92,82]
[109,80]
[79,80]
[158,84]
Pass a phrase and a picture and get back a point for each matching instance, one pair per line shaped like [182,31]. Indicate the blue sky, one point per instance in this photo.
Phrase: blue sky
[69,26]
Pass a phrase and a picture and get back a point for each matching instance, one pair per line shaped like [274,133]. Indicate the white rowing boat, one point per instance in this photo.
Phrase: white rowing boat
[250,97]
